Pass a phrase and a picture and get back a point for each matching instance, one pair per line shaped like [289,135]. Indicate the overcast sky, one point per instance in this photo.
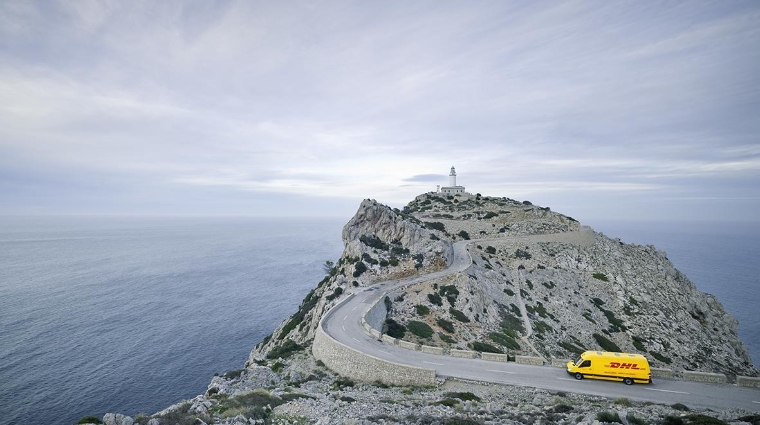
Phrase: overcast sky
[597,109]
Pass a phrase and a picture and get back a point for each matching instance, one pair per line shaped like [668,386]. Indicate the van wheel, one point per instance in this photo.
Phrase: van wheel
[578,376]
[628,381]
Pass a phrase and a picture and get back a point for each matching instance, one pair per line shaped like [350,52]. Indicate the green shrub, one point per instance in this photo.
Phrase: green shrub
[464,396]
[639,343]
[450,402]
[374,242]
[446,338]
[343,382]
[336,293]
[505,340]
[233,374]
[395,329]
[633,420]
[601,276]
[422,310]
[359,268]
[623,402]
[572,348]
[435,299]
[607,416]
[679,406]
[519,253]
[672,420]
[660,357]
[490,214]
[463,234]
[490,250]
[753,419]
[485,347]
[278,367]
[435,225]
[698,419]
[445,325]
[421,329]
[285,350]
[90,420]
[509,292]
[458,315]
[605,343]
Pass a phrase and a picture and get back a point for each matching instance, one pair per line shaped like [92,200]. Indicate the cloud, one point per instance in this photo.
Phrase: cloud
[356,100]
[427,178]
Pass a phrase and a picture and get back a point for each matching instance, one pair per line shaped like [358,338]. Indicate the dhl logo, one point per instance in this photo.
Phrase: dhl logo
[616,365]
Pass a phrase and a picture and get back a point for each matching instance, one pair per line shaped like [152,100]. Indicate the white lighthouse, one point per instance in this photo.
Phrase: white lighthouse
[452,188]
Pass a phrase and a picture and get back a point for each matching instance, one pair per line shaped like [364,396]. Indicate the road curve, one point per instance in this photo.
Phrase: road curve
[343,323]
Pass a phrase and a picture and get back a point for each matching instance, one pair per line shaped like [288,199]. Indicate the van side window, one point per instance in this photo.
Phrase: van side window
[586,363]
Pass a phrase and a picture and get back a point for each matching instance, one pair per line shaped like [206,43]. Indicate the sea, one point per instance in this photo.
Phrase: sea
[131,315]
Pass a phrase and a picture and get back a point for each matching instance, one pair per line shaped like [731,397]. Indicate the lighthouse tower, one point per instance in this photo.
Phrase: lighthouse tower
[452,188]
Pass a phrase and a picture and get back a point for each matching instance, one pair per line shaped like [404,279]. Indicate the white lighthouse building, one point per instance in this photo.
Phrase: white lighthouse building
[452,188]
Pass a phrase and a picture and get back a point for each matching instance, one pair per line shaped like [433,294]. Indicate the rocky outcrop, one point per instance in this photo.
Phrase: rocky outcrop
[380,243]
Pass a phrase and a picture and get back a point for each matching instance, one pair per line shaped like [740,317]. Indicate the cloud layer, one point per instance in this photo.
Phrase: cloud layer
[595,108]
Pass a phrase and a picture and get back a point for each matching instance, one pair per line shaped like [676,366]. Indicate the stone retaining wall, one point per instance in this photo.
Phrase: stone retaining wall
[748,381]
[560,363]
[467,354]
[494,357]
[362,367]
[432,350]
[538,361]
[407,345]
[658,372]
[717,378]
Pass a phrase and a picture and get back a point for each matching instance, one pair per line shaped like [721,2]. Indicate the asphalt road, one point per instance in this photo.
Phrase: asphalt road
[343,323]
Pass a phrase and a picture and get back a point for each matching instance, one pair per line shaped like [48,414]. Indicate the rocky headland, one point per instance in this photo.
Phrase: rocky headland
[541,284]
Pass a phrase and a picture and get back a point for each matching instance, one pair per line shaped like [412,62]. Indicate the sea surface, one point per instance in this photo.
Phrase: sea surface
[131,315]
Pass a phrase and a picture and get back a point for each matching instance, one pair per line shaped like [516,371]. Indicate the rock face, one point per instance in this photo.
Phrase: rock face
[380,244]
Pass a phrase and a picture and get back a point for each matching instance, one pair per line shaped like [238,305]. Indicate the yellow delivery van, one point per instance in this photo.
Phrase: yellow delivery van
[625,367]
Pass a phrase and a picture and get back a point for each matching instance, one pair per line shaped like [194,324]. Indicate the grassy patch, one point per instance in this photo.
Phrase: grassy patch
[661,357]
[435,299]
[601,276]
[446,338]
[422,310]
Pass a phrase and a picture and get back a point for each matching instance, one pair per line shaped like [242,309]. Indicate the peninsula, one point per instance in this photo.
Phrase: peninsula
[459,308]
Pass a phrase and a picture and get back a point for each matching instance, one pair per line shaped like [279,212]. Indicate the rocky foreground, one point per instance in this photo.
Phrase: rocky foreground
[298,390]
[541,285]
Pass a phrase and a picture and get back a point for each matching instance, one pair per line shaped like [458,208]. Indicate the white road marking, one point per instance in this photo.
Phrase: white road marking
[499,371]
[567,379]
[354,308]
[437,364]
[344,319]
[758,402]
[344,328]
[355,339]
[667,391]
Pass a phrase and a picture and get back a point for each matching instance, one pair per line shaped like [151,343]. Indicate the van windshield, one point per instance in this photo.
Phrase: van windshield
[579,361]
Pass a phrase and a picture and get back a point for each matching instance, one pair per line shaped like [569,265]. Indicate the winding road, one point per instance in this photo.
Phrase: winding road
[343,323]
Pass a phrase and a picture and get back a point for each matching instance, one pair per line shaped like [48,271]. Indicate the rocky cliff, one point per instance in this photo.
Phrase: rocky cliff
[541,284]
